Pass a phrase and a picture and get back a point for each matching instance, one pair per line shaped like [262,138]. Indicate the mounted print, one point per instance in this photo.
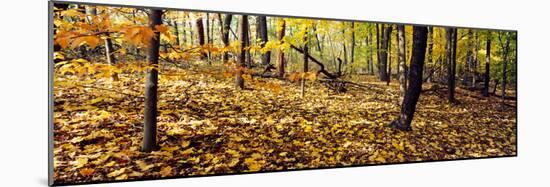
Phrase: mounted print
[154,93]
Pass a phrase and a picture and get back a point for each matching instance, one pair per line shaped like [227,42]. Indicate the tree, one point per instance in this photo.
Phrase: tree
[305,50]
[151,84]
[402,66]
[403,122]
[383,52]
[450,47]
[243,32]
[429,53]
[487,66]
[281,56]
[200,35]
[262,34]
[352,41]
[505,49]
[225,34]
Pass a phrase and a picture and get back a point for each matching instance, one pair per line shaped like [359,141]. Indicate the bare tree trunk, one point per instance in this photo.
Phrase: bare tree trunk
[401,55]
[371,54]
[352,41]
[281,54]
[383,52]
[262,32]
[451,63]
[243,31]
[389,60]
[306,65]
[225,34]
[487,66]
[403,122]
[176,31]
[504,66]
[151,85]
[200,35]
[429,53]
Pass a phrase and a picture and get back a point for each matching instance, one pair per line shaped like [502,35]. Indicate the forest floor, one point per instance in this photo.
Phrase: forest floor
[206,126]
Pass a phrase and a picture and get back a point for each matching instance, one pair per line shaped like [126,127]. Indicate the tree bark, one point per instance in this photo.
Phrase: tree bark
[306,65]
[383,53]
[352,41]
[225,34]
[177,32]
[262,32]
[401,55]
[243,31]
[200,35]
[151,85]
[429,53]
[504,66]
[487,66]
[451,63]
[403,122]
[281,55]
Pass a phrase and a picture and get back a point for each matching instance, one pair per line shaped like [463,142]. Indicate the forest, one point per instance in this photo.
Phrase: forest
[151,93]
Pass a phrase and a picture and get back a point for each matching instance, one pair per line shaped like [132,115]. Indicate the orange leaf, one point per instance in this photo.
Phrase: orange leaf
[86,171]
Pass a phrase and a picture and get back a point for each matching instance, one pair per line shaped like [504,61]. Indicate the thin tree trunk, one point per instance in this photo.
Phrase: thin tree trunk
[389,60]
[401,55]
[487,66]
[243,31]
[225,34]
[176,31]
[371,54]
[281,55]
[262,33]
[200,35]
[151,81]
[383,53]
[352,41]
[306,65]
[429,53]
[403,122]
[504,66]
[451,66]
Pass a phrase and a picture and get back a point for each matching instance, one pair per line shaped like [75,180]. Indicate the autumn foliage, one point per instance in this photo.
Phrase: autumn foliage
[206,126]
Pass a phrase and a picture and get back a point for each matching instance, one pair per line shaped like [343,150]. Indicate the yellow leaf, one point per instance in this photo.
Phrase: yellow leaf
[122,177]
[233,162]
[144,166]
[184,144]
[116,172]
[166,171]
[78,163]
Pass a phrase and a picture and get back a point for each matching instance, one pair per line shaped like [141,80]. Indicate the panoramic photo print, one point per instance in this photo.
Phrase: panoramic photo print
[151,93]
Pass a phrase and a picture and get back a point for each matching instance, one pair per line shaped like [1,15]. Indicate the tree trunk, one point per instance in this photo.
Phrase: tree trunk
[389,60]
[281,55]
[504,67]
[306,65]
[352,41]
[200,35]
[383,53]
[401,55]
[225,34]
[403,122]
[262,32]
[487,66]
[451,63]
[177,32]
[243,31]
[151,81]
[429,53]
[371,54]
